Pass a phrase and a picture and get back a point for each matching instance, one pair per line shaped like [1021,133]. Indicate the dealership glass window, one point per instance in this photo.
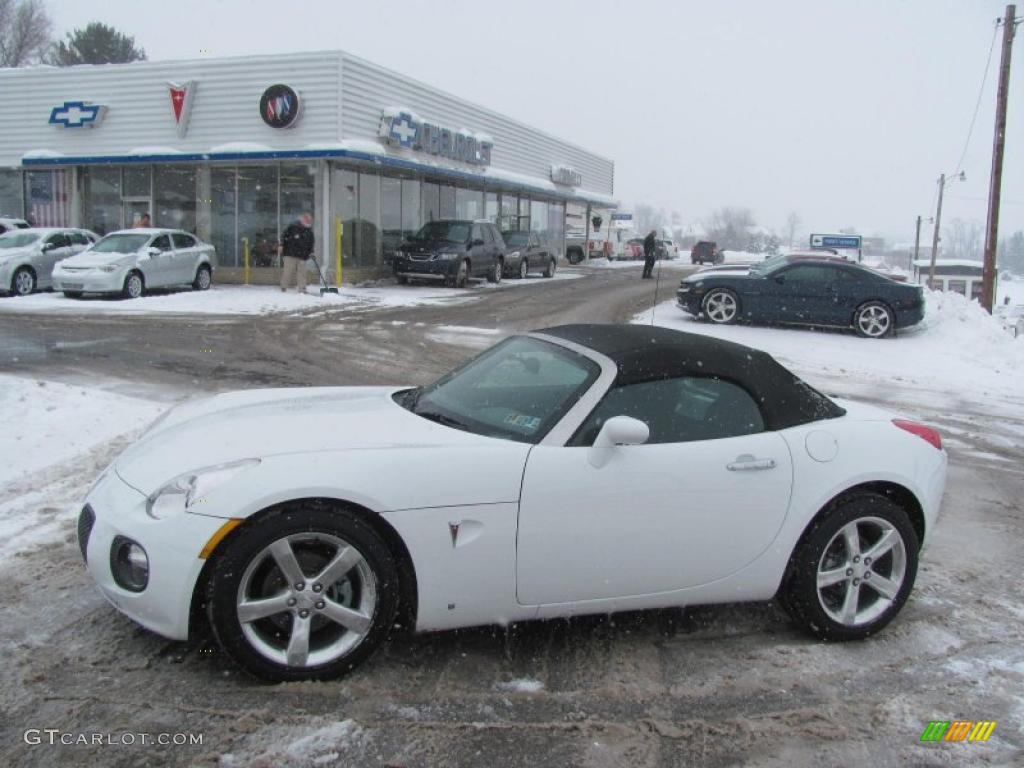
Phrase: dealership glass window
[390,215]
[257,212]
[509,212]
[174,188]
[539,218]
[411,221]
[48,198]
[976,289]
[101,199]
[298,190]
[556,227]
[936,284]
[345,204]
[958,286]
[137,181]
[431,202]
[491,210]
[447,202]
[10,194]
[469,204]
[222,216]
[367,234]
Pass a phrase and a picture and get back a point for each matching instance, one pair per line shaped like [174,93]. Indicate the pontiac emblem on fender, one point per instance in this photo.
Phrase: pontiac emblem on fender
[181,104]
[453,529]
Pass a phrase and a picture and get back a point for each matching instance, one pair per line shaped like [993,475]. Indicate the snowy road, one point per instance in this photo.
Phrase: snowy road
[708,686]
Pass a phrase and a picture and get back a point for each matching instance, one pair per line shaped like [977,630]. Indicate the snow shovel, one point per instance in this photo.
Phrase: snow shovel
[324,287]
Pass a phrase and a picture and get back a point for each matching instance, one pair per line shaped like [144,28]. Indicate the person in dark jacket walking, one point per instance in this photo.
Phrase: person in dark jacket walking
[296,247]
[650,253]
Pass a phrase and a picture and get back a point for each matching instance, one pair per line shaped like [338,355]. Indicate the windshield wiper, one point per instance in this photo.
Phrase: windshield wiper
[441,418]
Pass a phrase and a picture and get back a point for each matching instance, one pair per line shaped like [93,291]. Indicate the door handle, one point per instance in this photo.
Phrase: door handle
[748,463]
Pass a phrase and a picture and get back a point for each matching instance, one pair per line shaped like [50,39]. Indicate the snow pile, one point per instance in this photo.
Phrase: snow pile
[742,257]
[959,350]
[521,685]
[323,743]
[50,423]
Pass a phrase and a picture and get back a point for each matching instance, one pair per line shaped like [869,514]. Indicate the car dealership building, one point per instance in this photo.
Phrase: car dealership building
[235,149]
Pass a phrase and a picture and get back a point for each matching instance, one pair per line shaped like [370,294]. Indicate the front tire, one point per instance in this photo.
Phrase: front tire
[495,273]
[873,320]
[853,569]
[721,306]
[462,276]
[23,282]
[133,286]
[549,270]
[203,278]
[524,268]
[306,593]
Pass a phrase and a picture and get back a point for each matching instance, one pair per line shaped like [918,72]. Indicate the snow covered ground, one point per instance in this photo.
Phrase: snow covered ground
[264,299]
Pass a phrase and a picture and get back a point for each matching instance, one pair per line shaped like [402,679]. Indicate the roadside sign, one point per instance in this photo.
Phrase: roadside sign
[836,241]
[622,217]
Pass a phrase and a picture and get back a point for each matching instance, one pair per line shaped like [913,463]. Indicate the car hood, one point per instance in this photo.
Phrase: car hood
[93,259]
[11,253]
[431,246]
[267,422]
[730,272]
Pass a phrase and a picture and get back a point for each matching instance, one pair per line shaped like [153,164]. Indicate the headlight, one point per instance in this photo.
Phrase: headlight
[684,287]
[514,255]
[108,268]
[188,490]
[129,564]
[448,256]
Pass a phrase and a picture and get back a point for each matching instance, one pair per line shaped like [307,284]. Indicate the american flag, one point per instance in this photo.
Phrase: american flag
[49,200]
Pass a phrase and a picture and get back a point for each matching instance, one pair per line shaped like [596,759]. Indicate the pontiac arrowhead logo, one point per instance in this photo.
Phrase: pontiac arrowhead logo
[181,104]
[453,529]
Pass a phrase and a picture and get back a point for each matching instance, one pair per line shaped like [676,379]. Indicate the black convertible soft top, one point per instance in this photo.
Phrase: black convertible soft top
[648,353]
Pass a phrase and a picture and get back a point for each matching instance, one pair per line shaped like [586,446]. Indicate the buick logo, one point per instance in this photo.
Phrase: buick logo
[279,106]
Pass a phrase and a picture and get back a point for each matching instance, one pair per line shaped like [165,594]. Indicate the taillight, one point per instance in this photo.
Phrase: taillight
[929,434]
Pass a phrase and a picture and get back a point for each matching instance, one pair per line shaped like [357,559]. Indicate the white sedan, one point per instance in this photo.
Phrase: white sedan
[130,261]
[580,469]
[28,255]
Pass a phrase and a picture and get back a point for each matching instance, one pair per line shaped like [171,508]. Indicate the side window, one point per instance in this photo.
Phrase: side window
[679,410]
[810,274]
[79,238]
[478,233]
[163,243]
[58,240]
[183,240]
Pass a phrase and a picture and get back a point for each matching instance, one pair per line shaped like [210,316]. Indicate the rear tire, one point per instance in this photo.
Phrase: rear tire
[874,320]
[343,620]
[462,276]
[495,273]
[23,282]
[204,278]
[549,270]
[853,569]
[524,268]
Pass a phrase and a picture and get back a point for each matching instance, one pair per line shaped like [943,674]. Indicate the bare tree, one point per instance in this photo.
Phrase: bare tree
[964,239]
[26,32]
[792,227]
[730,227]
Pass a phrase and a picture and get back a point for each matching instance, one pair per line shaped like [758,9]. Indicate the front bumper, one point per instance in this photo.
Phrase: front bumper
[689,301]
[434,269]
[88,281]
[173,546]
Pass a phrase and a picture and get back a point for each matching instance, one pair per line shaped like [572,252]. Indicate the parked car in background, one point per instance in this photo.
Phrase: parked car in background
[805,291]
[28,255]
[7,223]
[667,249]
[633,249]
[706,252]
[1011,317]
[130,261]
[525,251]
[451,250]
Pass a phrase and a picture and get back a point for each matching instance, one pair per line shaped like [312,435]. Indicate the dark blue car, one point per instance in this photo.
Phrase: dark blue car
[803,291]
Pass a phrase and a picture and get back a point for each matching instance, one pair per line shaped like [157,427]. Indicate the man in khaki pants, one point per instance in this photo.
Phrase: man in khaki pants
[296,246]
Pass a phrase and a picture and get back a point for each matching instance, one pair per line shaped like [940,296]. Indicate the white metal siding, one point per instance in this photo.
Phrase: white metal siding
[367,89]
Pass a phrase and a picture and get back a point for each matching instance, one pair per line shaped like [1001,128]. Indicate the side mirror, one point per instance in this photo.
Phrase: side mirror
[478,241]
[618,430]
[48,247]
[153,251]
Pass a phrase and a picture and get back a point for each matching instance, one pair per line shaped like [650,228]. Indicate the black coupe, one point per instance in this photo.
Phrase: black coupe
[804,291]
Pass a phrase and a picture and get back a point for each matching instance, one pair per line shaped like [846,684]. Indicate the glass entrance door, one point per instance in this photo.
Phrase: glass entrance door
[133,210]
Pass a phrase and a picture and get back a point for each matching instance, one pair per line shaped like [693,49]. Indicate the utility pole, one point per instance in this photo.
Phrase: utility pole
[935,236]
[996,181]
[917,240]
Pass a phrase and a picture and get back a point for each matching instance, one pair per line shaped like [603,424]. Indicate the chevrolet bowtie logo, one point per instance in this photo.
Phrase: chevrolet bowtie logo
[75,114]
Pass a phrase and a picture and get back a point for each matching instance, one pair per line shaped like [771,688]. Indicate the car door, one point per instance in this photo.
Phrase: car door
[158,269]
[799,294]
[704,497]
[186,255]
[55,248]
[480,251]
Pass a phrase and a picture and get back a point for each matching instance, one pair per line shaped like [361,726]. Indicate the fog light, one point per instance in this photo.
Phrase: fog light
[129,564]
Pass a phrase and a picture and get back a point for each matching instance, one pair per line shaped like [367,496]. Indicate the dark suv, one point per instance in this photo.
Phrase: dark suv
[452,251]
[706,250]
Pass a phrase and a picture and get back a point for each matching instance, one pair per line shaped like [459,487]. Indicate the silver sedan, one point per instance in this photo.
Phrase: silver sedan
[27,256]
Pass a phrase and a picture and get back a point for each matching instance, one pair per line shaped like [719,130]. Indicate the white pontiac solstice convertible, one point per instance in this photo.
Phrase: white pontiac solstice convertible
[579,469]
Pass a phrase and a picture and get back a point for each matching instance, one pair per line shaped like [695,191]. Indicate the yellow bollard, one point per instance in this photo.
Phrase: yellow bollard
[245,260]
[338,231]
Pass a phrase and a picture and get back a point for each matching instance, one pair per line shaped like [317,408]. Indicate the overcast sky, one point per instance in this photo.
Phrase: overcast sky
[843,112]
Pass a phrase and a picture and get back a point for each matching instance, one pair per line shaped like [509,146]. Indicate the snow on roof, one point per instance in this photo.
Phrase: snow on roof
[949,263]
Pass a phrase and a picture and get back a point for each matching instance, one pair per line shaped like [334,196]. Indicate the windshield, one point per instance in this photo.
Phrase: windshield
[18,239]
[446,231]
[770,265]
[120,244]
[518,390]
[516,239]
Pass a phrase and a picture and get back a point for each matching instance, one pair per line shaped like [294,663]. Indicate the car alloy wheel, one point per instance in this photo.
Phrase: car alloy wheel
[853,569]
[133,286]
[24,282]
[304,593]
[721,306]
[549,270]
[494,276]
[524,268]
[202,281]
[874,320]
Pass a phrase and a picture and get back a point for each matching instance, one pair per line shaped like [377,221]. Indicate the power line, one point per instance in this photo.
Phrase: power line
[981,92]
